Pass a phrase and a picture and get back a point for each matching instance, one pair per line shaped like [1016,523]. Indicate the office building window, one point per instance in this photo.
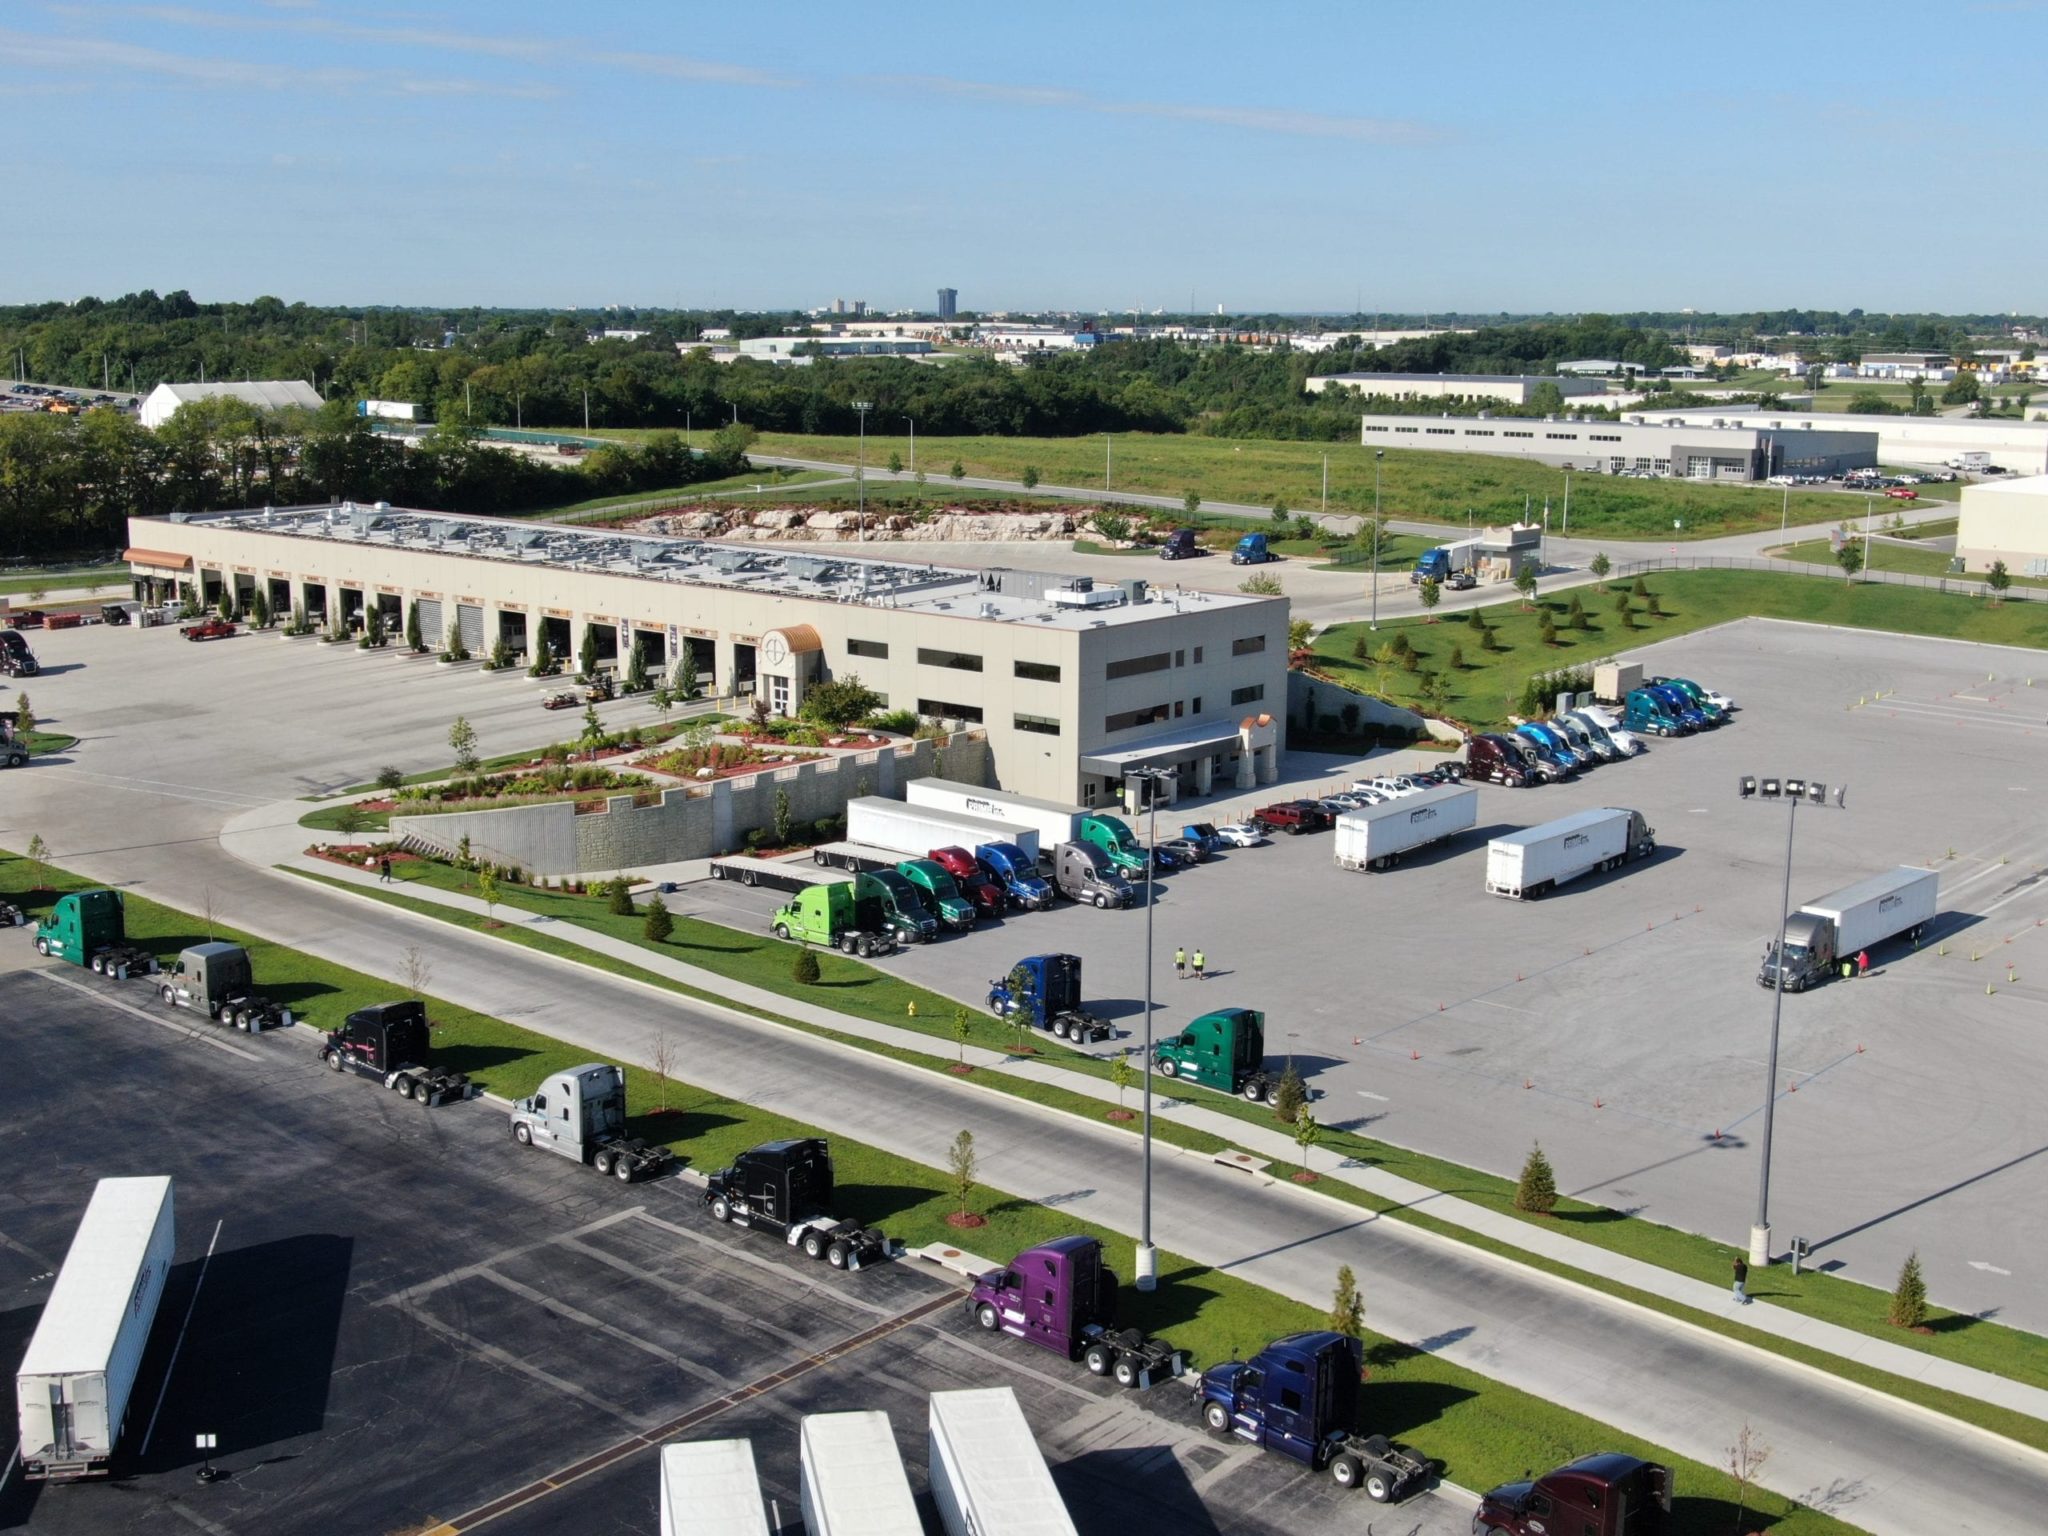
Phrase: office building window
[1250,695]
[1249,645]
[959,661]
[1135,666]
[1037,671]
[1152,714]
[878,649]
[940,709]
[1196,707]
[1198,655]
[1042,725]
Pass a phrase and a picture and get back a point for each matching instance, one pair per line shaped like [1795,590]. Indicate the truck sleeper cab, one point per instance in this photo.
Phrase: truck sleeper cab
[1224,1050]
[1083,873]
[581,1114]
[942,896]
[217,980]
[1564,760]
[1490,758]
[1007,864]
[1062,1297]
[786,1187]
[388,1043]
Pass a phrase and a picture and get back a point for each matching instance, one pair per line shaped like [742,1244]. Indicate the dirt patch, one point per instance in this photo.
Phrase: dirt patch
[1305,1177]
[1120,1115]
[959,1068]
[967,1219]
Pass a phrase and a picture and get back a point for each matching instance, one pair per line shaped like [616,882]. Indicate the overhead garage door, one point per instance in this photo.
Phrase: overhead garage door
[430,623]
[471,618]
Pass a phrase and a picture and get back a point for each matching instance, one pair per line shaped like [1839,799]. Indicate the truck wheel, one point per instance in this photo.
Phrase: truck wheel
[1377,1488]
[1168,1067]
[333,1060]
[601,1160]
[164,992]
[1102,900]
[1059,1029]
[836,1255]
[43,947]
[423,1095]
[523,1135]
[814,1244]
[721,1208]
[782,930]
[245,1021]
[747,877]
[1345,1470]
[1217,1417]
[1255,1090]
[1126,1372]
[622,1168]
[985,1314]
[864,949]
[1099,1358]
[95,964]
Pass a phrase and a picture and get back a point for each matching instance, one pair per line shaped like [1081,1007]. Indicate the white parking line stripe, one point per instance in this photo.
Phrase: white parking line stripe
[177,1026]
[171,1369]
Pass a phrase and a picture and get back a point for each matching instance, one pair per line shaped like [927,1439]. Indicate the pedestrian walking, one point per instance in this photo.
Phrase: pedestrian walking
[1200,961]
[1180,962]
[384,870]
[1862,963]
[1741,1279]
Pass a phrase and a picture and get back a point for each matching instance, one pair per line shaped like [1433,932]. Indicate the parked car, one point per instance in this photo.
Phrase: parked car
[1902,493]
[1293,817]
[1240,834]
[561,701]
[1392,785]
[1184,850]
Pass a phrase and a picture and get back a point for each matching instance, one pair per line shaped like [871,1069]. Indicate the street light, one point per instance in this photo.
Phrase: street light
[1143,789]
[1378,457]
[860,475]
[1791,791]
[913,445]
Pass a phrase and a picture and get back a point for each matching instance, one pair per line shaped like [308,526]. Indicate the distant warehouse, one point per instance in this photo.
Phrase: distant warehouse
[162,403]
[1664,445]
[1506,388]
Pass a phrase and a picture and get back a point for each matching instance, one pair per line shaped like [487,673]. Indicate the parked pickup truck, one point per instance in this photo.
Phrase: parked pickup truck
[1293,817]
[208,629]
[785,1187]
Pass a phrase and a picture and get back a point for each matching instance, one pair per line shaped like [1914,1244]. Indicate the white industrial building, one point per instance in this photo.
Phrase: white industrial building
[801,349]
[2005,520]
[1071,681]
[2017,447]
[1655,445]
[162,403]
[1507,388]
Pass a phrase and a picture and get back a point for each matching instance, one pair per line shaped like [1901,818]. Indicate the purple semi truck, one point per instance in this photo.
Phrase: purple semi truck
[1060,1296]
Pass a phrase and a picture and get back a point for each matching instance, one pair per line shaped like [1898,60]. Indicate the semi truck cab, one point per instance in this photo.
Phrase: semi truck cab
[1646,709]
[1006,863]
[1224,1050]
[1489,757]
[786,1187]
[1605,1495]
[89,928]
[1061,1297]
[1251,550]
[388,1042]
[902,912]
[217,980]
[1046,989]
[1114,838]
[1084,873]
[836,916]
[941,894]
[581,1114]
[973,881]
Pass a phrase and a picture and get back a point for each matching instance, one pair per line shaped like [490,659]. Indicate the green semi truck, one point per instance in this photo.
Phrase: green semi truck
[90,928]
[1115,839]
[836,916]
[941,896]
[1224,1050]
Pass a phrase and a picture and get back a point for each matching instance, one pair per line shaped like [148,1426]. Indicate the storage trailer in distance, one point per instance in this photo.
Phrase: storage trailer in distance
[711,1488]
[1527,864]
[850,1477]
[71,1393]
[988,1477]
[1376,836]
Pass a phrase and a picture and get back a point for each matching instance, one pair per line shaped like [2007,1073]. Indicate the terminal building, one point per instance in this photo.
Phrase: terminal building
[1072,682]
[2017,447]
[1506,388]
[2005,520]
[1691,449]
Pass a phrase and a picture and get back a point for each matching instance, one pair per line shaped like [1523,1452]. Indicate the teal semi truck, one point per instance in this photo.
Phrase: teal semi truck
[1224,1050]
[90,928]
[1114,838]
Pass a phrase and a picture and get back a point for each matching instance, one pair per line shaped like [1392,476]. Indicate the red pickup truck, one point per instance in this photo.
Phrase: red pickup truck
[1293,817]
[208,629]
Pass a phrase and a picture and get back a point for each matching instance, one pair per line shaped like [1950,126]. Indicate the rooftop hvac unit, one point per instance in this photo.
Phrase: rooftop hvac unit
[1084,597]
[730,562]
[1134,589]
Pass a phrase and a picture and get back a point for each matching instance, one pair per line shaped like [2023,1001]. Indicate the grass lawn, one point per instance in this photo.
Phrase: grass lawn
[650,735]
[1486,688]
[1415,485]
[62,580]
[1890,557]
[679,493]
[865,992]
[43,742]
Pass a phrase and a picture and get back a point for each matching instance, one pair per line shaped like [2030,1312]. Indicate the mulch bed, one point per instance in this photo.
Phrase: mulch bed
[966,1219]
[1305,1178]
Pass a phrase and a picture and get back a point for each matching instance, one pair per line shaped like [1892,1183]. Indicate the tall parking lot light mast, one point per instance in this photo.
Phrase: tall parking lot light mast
[1791,791]
[1378,457]
[860,474]
[1145,787]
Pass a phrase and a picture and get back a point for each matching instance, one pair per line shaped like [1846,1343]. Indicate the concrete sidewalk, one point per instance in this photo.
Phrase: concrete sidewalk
[270,837]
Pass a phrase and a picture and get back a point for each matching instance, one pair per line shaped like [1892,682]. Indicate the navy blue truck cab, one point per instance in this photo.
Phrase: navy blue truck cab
[1299,1396]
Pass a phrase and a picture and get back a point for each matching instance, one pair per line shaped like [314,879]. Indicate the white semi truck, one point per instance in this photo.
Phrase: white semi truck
[1530,863]
[71,1392]
[1824,933]
[581,1113]
[988,1477]
[710,1488]
[1376,836]
[851,1480]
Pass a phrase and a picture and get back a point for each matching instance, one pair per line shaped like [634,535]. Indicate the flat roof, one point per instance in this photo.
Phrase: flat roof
[2023,485]
[825,572]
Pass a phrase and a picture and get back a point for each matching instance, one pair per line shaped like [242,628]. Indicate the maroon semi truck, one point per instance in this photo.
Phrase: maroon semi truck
[1062,1297]
[973,880]
[1605,1495]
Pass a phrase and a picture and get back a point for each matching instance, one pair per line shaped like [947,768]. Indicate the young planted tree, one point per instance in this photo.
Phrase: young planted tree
[1435,691]
[1547,631]
[1361,646]
[1112,527]
[1347,1307]
[38,862]
[1576,615]
[1998,579]
[1536,1190]
[227,603]
[1640,588]
[657,925]
[804,970]
[24,715]
[453,646]
[1909,1296]
[1121,1076]
[300,624]
[349,818]
[1281,516]
[662,700]
[259,608]
[1029,477]
[686,673]
[501,654]
[1306,1134]
[1477,622]
[1191,502]
[1600,565]
[636,668]
[1290,1096]
[1850,558]
[373,626]
[662,1058]
[415,970]
[1383,658]
[782,822]
[1746,1458]
[895,462]
[1260,584]
[962,1171]
[462,742]
[487,888]
[958,471]
[1525,583]
[963,1026]
[390,777]
[1431,593]
[592,735]
[1298,632]
[1625,607]
[619,896]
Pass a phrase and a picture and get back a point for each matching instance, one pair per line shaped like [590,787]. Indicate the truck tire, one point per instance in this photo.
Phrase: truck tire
[721,1208]
[601,1160]
[1346,1469]
[1217,1417]
[781,931]
[1377,1488]
[986,1316]
[718,871]
[1126,1372]
[1098,1358]
[747,877]
[523,1135]
[837,1255]
[1059,1029]
[333,1060]
[813,1244]
[43,947]
[168,997]
[622,1168]
[1102,900]
[864,948]
[1255,1091]
[817,856]
[1168,1067]
[245,1021]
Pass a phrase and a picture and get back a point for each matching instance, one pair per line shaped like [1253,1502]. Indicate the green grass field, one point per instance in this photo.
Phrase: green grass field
[577,511]
[1484,687]
[1415,486]
[1891,557]
[56,580]
[1481,1431]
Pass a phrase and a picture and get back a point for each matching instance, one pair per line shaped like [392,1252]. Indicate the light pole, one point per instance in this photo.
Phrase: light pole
[1785,510]
[1792,791]
[1326,485]
[1108,458]
[860,474]
[913,445]
[1146,784]
[1378,457]
[1567,504]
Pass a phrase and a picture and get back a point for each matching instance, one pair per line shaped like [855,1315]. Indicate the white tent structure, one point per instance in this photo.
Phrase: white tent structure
[265,394]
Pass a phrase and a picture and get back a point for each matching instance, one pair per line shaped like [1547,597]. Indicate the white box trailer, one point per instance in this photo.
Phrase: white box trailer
[1873,910]
[1054,823]
[710,1488]
[72,1390]
[1528,863]
[915,830]
[851,1479]
[988,1477]
[1375,836]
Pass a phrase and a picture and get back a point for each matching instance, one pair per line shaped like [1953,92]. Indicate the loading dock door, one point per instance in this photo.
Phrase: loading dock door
[432,631]
[472,621]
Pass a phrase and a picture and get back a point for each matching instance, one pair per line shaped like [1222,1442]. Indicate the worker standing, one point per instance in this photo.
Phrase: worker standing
[1200,961]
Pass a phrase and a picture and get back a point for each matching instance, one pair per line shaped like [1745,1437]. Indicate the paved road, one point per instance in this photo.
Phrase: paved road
[1885,1467]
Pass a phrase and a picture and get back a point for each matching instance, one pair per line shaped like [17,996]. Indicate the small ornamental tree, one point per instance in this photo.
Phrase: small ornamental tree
[804,969]
[259,609]
[1576,616]
[24,716]
[586,652]
[1850,558]
[1640,589]
[1998,579]
[1121,1076]
[782,821]
[1280,513]
[962,1169]
[1191,502]
[38,861]
[1030,476]
[1600,565]
[227,602]
[1477,623]
[636,668]
[1536,1190]
[462,742]
[958,471]
[1547,631]
[657,925]
[487,888]
[413,642]
[1457,661]
[452,645]
[501,654]
[686,673]
[1306,1134]
[1347,1307]
[963,1025]
[373,626]
[1626,608]
[1431,593]
[1656,606]
[390,777]
[1525,583]
[1361,648]
[1909,1296]
[1298,633]
[1112,527]
[895,463]
[1290,1096]
[300,624]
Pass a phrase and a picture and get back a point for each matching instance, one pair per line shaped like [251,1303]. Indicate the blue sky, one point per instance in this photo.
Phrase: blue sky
[1406,157]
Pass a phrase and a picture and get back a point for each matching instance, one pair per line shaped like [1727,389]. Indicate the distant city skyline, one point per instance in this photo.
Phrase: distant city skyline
[1333,158]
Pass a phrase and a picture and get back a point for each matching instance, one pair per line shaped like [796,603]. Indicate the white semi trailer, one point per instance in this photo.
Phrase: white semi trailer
[1527,864]
[913,831]
[1376,836]
[851,1477]
[72,1390]
[710,1488]
[987,1475]
[1054,824]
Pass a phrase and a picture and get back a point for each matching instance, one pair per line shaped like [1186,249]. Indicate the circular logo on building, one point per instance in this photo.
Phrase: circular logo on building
[775,649]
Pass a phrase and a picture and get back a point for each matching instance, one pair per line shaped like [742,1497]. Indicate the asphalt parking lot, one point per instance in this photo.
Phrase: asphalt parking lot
[1619,1021]
[396,1321]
